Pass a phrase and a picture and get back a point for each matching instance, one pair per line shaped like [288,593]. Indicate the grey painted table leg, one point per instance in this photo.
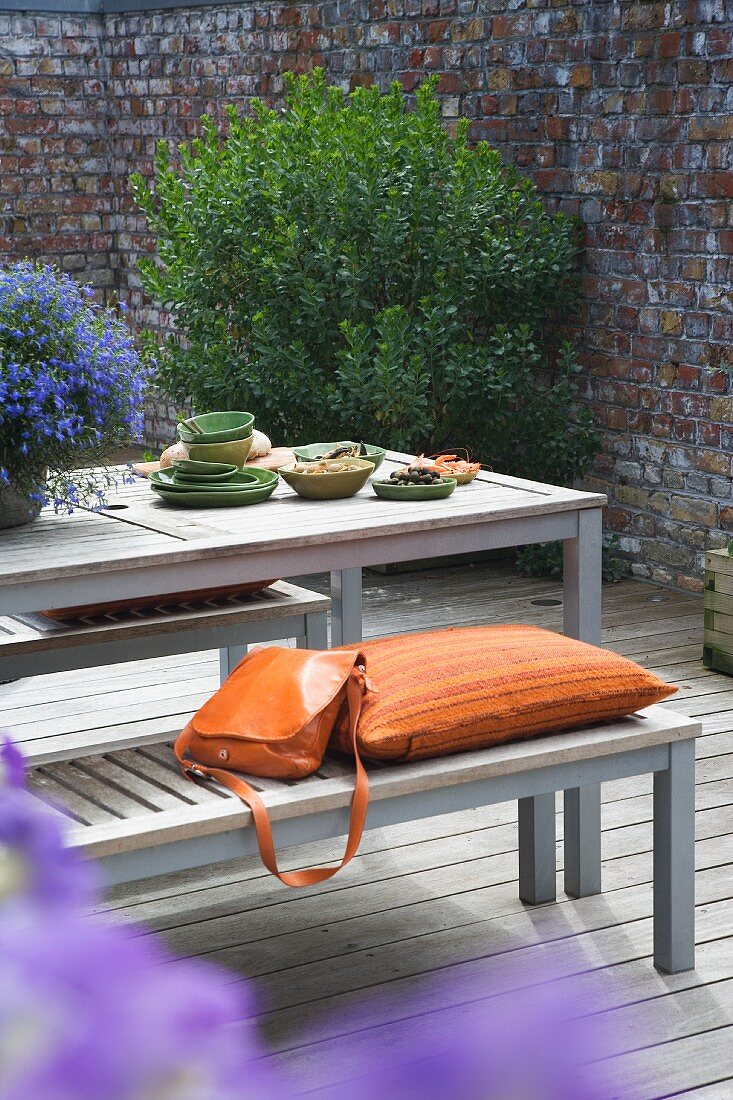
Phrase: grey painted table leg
[316,631]
[582,575]
[229,659]
[582,841]
[537,848]
[345,606]
[674,861]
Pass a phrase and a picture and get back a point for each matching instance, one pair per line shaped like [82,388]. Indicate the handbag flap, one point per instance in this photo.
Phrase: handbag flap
[274,692]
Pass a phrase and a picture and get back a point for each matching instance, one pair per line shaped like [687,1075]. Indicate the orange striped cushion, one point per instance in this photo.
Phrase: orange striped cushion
[449,690]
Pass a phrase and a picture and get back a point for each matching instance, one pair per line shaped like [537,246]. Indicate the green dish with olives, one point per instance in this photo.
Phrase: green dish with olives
[406,490]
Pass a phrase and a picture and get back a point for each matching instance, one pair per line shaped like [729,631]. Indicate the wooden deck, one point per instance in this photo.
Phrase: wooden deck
[426,918]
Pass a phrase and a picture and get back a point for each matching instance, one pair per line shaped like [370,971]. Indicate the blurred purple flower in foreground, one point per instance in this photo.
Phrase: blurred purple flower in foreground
[87,1011]
[35,868]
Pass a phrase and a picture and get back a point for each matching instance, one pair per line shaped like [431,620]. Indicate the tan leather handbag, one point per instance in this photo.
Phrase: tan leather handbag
[273,716]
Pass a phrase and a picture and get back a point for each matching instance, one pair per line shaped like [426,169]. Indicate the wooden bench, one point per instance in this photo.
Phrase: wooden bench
[32,645]
[133,810]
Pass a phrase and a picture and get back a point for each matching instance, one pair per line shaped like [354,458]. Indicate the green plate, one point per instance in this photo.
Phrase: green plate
[203,473]
[206,499]
[313,451]
[389,491]
[239,482]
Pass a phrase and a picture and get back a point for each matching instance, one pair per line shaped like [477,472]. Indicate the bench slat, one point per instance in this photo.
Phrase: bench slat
[112,771]
[76,777]
[66,801]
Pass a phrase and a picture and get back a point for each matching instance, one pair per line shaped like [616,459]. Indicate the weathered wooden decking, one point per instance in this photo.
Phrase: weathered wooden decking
[426,917]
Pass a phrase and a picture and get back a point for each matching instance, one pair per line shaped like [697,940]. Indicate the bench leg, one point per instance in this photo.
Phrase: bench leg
[582,568]
[537,849]
[345,606]
[582,843]
[229,659]
[674,861]
[316,631]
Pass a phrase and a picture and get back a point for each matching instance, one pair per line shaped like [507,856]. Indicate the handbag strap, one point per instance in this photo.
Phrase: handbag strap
[260,817]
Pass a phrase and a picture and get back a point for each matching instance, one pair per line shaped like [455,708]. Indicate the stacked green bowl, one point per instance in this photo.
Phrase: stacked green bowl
[218,437]
[193,484]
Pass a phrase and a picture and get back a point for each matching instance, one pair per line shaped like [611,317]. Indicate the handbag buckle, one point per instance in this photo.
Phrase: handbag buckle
[191,769]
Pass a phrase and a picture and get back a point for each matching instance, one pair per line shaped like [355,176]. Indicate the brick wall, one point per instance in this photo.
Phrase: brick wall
[55,183]
[621,112]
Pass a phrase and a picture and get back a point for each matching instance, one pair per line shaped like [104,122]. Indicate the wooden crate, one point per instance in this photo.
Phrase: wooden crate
[717,650]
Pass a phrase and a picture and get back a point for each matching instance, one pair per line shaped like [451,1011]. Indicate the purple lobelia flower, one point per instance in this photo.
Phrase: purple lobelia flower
[87,1010]
[12,765]
[72,386]
[534,1043]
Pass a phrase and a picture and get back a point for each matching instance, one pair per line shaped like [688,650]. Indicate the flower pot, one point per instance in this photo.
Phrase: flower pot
[16,509]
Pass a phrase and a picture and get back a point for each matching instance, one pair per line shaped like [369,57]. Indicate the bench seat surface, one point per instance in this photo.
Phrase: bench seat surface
[34,633]
[135,798]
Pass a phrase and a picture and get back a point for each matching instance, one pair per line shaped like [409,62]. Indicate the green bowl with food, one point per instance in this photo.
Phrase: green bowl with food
[396,490]
[314,452]
[327,480]
[216,427]
[234,452]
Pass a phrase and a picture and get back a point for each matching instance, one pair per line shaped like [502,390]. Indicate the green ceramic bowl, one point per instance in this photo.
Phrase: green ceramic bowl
[235,452]
[217,427]
[313,451]
[329,486]
[238,482]
[388,490]
[203,473]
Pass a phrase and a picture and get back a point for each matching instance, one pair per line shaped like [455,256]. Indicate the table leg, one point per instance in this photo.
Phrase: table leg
[316,631]
[537,849]
[345,606]
[582,578]
[674,861]
[582,840]
[229,659]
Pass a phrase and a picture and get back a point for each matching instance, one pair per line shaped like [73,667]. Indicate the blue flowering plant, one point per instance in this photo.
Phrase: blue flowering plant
[71,387]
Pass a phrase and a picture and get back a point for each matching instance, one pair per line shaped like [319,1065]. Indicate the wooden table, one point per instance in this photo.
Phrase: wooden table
[140,546]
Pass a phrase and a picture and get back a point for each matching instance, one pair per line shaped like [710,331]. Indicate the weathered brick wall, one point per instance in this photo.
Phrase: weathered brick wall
[622,112]
[55,184]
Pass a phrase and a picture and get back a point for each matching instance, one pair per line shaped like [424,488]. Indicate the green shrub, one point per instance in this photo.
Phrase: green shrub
[346,269]
[545,559]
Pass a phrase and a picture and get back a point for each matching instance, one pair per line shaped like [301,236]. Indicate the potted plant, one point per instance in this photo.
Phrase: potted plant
[71,389]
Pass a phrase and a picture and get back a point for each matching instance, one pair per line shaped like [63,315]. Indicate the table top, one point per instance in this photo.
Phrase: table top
[139,530]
